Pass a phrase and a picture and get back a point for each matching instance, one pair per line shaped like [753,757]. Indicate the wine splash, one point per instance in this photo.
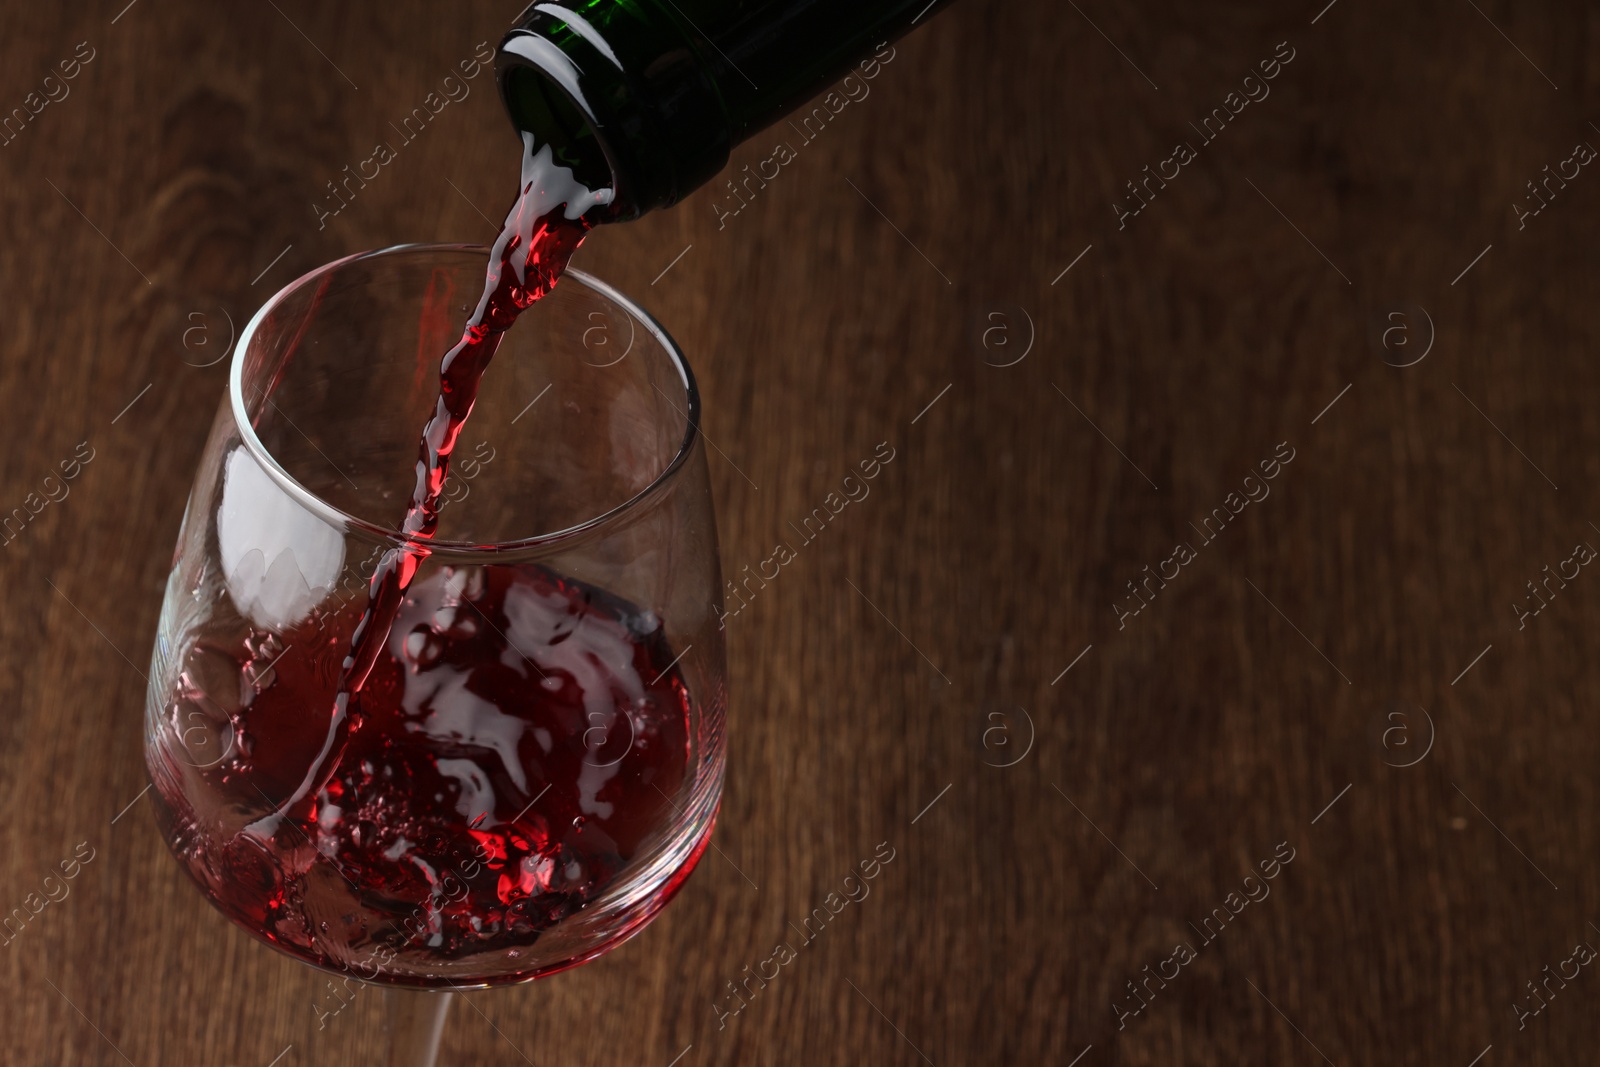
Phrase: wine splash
[520,735]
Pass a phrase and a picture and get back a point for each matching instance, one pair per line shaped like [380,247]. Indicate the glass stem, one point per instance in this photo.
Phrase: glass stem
[415,1023]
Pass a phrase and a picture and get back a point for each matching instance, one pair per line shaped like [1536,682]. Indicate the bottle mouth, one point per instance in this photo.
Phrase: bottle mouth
[621,98]
[543,94]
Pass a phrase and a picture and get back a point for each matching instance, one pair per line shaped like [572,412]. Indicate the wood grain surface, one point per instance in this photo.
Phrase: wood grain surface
[1340,679]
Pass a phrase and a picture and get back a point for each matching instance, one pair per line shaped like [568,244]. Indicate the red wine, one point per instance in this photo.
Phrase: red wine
[544,228]
[520,735]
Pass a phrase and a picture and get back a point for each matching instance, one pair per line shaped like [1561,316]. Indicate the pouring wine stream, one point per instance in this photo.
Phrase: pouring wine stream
[545,226]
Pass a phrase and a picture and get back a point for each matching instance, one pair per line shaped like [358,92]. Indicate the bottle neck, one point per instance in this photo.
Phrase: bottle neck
[650,96]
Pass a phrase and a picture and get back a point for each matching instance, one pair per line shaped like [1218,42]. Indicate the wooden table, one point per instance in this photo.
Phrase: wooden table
[1077,660]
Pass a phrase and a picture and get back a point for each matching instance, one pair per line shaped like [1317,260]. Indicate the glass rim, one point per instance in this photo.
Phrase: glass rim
[447,549]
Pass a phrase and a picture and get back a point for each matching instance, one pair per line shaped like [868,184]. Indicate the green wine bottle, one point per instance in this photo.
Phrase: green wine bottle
[649,96]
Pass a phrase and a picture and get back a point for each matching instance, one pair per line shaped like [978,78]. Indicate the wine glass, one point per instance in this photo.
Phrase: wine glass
[535,763]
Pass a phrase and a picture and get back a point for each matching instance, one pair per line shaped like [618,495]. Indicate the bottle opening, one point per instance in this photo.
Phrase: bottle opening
[621,96]
[543,109]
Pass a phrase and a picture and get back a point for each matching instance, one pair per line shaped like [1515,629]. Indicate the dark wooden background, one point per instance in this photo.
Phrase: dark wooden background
[1360,618]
